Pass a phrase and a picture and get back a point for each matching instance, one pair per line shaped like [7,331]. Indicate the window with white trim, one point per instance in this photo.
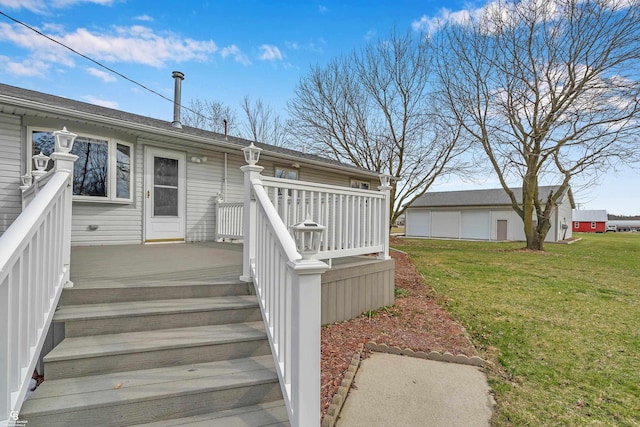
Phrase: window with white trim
[576,224]
[358,183]
[102,171]
[593,225]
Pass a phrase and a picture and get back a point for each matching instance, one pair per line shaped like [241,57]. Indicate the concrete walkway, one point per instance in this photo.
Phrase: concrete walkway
[404,391]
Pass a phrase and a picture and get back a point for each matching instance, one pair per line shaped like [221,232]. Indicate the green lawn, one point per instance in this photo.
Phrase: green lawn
[561,329]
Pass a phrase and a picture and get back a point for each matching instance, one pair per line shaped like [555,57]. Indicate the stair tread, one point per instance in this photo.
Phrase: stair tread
[132,308]
[70,394]
[262,415]
[132,342]
[110,283]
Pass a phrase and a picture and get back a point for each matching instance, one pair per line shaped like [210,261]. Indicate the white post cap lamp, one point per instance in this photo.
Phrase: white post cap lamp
[251,154]
[40,161]
[385,180]
[26,180]
[64,140]
[307,235]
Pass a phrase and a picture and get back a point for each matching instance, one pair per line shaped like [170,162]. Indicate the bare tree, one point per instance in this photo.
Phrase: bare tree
[373,109]
[209,115]
[263,124]
[550,92]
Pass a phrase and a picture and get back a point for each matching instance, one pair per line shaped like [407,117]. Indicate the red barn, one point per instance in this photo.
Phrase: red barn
[589,221]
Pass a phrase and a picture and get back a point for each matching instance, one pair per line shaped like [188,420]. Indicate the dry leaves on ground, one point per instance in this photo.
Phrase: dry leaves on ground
[415,321]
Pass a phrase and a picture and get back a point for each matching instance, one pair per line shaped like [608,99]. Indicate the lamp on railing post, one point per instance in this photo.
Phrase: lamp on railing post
[64,140]
[40,162]
[26,181]
[306,296]
[251,154]
[251,172]
[385,187]
[307,235]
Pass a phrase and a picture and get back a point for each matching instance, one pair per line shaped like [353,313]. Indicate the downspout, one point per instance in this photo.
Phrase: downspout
[224,179]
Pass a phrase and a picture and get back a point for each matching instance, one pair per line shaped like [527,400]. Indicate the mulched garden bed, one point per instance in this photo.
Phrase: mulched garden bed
[415,321]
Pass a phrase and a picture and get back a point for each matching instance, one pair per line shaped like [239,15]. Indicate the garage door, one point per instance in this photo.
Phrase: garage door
[418,223]
[476,225]
[445,224]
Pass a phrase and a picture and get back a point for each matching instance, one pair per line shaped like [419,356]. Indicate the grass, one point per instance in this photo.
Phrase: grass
[561,329]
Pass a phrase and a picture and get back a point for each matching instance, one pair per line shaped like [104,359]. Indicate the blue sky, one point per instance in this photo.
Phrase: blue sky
[227,50]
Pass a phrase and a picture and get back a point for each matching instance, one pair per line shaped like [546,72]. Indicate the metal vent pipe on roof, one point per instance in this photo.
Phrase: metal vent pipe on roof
[178,77]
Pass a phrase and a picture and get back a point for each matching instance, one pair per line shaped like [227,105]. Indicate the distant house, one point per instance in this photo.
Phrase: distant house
[481,215]
[589,221]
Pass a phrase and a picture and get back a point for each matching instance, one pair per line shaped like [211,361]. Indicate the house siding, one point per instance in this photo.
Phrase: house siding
[585,227]
[10,170]
[205,181]
[564,214]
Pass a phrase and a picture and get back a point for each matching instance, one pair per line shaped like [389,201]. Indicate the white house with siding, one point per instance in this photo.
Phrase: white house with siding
[206,329]
[125,148]
[481,215]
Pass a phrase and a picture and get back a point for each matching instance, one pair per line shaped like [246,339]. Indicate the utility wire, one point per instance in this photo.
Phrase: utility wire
[99,64]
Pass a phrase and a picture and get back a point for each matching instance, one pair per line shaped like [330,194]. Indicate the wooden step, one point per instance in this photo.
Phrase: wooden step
[270,414]
[114,292]
[151,395]
[101,354]
[113,318]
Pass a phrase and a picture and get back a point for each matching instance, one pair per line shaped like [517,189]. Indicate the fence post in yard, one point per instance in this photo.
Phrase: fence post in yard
[251,171]
[64,161]
[385,188]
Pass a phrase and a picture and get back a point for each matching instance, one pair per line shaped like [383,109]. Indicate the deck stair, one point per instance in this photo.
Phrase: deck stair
[161,355]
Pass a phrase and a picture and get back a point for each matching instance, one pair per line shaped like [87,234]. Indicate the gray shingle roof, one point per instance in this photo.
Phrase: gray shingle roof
[589,215]
[464,198]
[186,131]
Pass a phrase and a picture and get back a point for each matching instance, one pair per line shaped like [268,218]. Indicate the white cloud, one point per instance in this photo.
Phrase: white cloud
[26,68]
[370,35]
[323,9]
[235,52]
[135,45]
[145,18]
[102,102]
[102,75]
[270,53]
[42,6]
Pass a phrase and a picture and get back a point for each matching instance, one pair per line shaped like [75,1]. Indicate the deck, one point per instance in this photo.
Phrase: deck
[352,286]
[138,265]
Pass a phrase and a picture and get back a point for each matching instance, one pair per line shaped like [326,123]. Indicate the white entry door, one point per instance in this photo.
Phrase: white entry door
[164,195]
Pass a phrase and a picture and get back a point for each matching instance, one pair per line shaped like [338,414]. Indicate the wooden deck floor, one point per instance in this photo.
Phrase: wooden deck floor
[97,266]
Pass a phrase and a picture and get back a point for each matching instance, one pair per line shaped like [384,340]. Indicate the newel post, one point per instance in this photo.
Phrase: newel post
[306,322]
[64,161]
[385,188]
[251,171]
[305,331]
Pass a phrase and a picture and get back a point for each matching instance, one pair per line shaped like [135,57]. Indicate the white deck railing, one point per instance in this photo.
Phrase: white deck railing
[356,221]
[288,289]
[34,266]
[288,286]
[229,220]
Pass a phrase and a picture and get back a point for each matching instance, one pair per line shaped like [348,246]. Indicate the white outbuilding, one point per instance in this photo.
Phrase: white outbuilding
[481,215]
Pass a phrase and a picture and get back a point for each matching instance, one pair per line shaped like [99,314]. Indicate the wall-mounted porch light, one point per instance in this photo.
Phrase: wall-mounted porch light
[307,235]
[64,140]
[251,154]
